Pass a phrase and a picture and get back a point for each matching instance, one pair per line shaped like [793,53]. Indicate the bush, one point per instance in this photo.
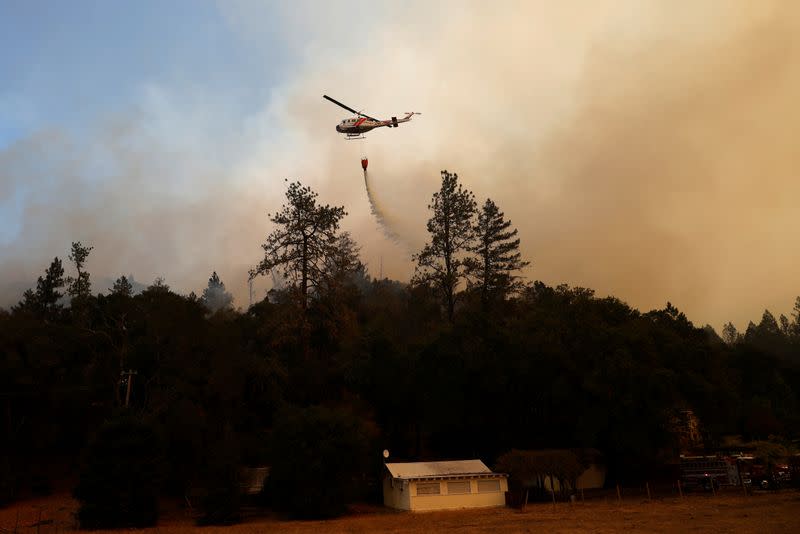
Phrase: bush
[120,482]
[320,461]
[220,492]
[533,467]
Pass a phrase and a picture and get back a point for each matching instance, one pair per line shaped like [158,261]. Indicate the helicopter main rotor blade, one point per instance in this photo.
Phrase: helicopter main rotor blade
[348,108]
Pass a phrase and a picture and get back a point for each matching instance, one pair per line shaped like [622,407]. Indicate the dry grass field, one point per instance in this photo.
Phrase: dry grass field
[761,513]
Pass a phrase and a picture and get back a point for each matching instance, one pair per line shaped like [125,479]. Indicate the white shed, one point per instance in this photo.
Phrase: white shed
[443,485]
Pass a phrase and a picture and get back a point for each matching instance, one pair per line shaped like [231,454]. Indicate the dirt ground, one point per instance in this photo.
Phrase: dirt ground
[761,513]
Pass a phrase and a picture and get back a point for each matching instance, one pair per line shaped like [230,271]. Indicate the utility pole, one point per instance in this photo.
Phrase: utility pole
[129,374]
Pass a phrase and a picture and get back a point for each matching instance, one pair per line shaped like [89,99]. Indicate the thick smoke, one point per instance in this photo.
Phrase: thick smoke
[646,150]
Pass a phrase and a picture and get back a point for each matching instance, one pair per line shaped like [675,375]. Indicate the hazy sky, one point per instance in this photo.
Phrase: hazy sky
[645,149]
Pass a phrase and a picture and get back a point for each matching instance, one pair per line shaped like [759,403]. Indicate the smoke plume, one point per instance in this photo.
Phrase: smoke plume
[645,149]
[380,213]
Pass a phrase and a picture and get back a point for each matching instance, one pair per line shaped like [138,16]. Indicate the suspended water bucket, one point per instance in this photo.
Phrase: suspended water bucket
[364,163]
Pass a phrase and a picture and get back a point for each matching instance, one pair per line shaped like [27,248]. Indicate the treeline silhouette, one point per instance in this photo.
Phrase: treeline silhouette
[173,393]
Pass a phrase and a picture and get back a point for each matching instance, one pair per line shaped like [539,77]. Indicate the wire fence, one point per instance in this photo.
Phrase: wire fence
[642,493]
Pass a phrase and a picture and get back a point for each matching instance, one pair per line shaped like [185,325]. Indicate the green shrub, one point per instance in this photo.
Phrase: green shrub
[320,461]
[120,482]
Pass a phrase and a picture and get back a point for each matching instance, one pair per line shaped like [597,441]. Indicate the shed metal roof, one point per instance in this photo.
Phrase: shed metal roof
[453,468]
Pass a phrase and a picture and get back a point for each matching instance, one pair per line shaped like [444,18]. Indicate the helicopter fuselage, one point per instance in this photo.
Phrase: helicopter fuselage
[358,125]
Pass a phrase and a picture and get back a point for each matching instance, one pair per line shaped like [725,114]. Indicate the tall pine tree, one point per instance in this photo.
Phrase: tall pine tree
[122,287]
[794,326]
[80,286]
[440,263]
[215,297]
[729,334]
[307,235]
[496,258]
[45,300]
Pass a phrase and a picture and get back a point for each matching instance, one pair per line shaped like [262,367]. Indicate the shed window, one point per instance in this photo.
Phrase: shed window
[461,486]
[488,486]
[428,488]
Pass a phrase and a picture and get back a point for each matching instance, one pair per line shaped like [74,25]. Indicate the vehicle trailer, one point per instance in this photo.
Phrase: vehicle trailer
[709,472]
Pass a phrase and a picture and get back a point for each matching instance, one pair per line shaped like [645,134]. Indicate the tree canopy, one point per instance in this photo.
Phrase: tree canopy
[80,286]
[304,242]
[493,268]
[215,297]
[440,263]
[351,365]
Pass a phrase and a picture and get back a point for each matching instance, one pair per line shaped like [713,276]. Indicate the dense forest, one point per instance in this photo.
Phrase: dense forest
[170,393]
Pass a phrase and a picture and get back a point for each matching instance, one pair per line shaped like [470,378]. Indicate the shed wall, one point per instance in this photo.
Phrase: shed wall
[446,501]
[397,495]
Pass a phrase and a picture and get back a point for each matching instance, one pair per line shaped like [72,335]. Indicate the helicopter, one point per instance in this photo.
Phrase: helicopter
[355,128]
